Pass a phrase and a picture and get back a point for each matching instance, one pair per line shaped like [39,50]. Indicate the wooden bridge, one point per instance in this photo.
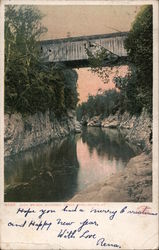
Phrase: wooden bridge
[72,50]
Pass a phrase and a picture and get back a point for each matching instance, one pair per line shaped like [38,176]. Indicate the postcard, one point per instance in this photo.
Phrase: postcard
[79,124]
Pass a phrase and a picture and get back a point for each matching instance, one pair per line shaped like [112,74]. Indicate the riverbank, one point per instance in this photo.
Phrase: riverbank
[135,128]
[25,132]
[134,184]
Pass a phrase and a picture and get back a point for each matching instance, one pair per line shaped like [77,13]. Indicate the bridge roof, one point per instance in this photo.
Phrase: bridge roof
[81,38]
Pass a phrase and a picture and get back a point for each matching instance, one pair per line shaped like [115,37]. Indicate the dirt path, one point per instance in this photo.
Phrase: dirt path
[134,184]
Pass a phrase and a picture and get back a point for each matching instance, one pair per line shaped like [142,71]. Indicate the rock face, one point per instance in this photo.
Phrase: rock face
[94,122]
[22,133]
[134,184]
[136,129]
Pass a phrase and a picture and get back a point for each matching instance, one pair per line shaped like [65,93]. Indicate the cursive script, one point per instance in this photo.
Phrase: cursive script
[101,242]
[74,222]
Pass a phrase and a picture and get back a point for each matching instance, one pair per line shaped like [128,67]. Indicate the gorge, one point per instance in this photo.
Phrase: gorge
[45,159]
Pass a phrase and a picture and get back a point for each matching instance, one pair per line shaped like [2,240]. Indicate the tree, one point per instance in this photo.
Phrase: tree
[139,48]
[136,86]
[22,30]
[98,57]
[30,84]
[71,95]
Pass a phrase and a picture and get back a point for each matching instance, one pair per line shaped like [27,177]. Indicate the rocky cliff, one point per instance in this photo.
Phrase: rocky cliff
[22,133]
[136,129]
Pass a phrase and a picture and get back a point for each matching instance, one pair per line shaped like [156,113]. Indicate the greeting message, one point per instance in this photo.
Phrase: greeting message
[67,227]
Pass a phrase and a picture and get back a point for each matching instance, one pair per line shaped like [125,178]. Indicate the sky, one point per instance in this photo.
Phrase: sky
[79,20]
[89,83]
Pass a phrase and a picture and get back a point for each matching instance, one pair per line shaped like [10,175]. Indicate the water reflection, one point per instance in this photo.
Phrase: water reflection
[101,152]
[57,170]
[45,173]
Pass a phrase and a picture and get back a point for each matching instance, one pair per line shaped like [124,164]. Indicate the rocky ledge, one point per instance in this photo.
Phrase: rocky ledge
[134,184]
[24,132]
[136,129]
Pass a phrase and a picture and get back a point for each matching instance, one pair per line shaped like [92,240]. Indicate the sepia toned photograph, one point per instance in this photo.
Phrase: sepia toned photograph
[78,83]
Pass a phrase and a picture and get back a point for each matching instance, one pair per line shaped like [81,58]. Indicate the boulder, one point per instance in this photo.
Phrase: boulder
[94,122]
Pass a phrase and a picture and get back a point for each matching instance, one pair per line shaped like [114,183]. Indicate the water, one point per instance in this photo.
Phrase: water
[56,171]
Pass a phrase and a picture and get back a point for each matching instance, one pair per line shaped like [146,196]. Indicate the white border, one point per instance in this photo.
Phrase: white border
[154,203]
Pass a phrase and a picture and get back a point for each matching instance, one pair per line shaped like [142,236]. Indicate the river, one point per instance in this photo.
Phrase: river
[56,171]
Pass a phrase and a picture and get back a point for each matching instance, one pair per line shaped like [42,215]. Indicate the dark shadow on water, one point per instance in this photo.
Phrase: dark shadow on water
[45,173]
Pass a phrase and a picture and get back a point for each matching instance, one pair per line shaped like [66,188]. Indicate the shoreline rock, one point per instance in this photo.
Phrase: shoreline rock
[134,184]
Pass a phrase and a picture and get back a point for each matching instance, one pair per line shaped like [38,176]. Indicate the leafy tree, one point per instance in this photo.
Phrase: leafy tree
[136,86]
[70,92]
[139,48]
[22,30]
[30,84]
[101,61]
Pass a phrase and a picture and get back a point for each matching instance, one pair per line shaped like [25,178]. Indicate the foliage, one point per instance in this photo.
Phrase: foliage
[129,100]
[22,30]
[139,48]
[98,57]
[106,103]
[31,85]
[71,94]
[136,86]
